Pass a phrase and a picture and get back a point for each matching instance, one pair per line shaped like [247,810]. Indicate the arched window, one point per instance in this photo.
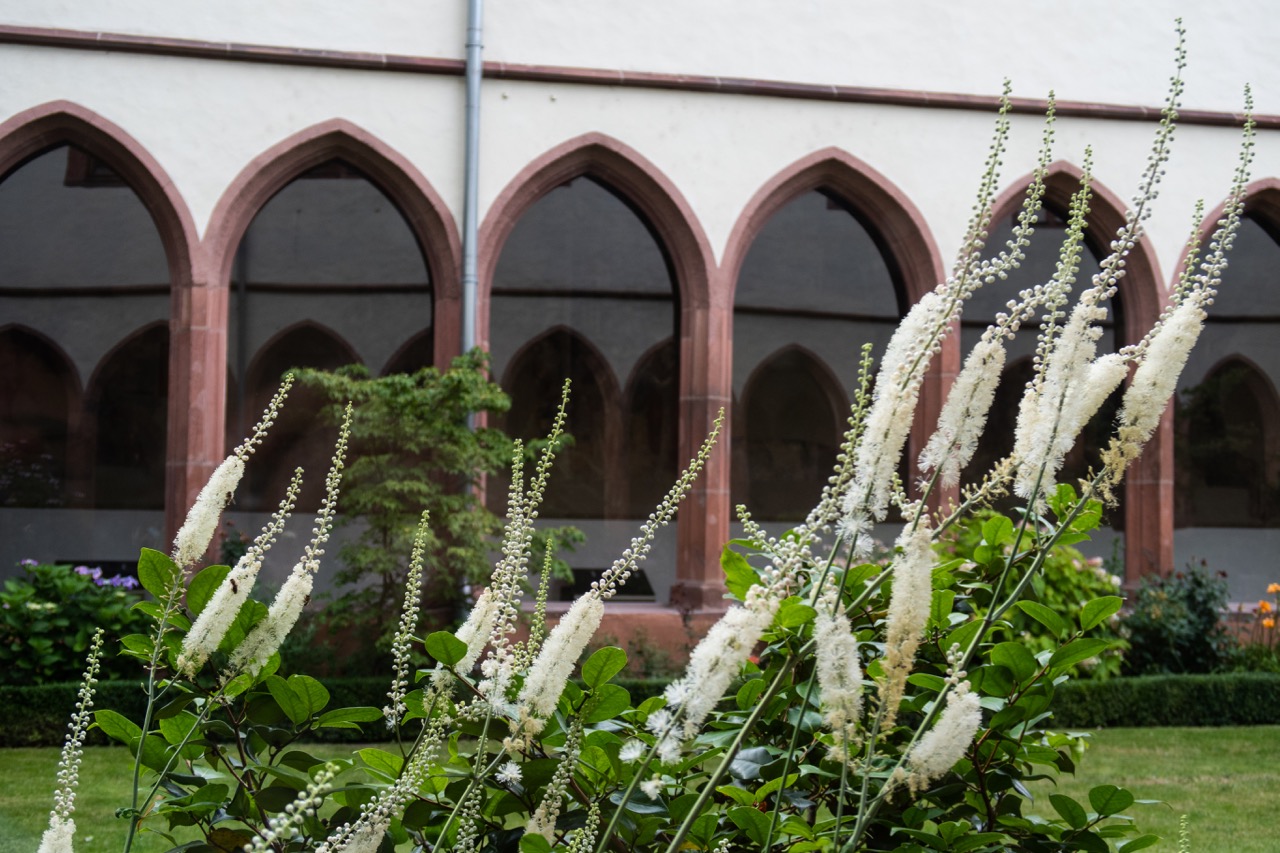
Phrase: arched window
[816,276]
[1038,267]
[1229,450]
[535,377]
[299,436]
[81,261]
[328,273]
[652,413]
[127,403]
[790,436]
[583,260]
[38,397]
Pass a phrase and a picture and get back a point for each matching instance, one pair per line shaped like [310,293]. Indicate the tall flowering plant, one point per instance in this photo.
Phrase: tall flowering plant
[838,705]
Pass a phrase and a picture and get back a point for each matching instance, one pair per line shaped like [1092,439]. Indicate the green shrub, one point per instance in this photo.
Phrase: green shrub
[1069,582]
[48,616]
[1222,699]
[1175,625]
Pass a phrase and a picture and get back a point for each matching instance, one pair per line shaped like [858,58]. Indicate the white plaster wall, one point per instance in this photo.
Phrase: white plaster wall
[718,150]
[1087,49]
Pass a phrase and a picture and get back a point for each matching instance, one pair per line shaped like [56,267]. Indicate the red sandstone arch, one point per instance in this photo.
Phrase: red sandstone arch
[193,440]
[704,374]
[337,139]
[892,220]
[1148,507]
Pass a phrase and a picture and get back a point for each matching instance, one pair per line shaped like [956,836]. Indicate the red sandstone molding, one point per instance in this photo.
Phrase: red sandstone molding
[1148,523]
[355,60]
[704,370]
[423,209]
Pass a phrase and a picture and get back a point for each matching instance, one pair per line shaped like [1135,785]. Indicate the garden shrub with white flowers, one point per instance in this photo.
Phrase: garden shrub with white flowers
[838,705]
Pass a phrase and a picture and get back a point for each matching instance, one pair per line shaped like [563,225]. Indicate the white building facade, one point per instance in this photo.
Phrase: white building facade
[683,206]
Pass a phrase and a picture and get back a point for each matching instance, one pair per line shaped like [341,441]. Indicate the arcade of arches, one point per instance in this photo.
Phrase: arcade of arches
[599,274]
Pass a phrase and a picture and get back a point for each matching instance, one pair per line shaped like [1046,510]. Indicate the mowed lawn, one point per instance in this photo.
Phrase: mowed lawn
[1226,780]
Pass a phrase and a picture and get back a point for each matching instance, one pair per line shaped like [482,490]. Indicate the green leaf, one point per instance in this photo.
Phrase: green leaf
[1070,810]
[940,607]
[1108,799]
[533,843]
[203,586]
[117,726]
[608,701]
[1045,616]
[1063,499]
[752,822]
[964,634]
[774,785]
[1099,609]
[1078,650]
[157,573]
[346,718]
[313,694]
[603,665]
[1090,842]
[738,574]
[749,692]
[175,729]
[381,763]
[997,530]
[295,707]
[1142,842]
[741,796]
[793,613]
[446,648]
[1016,658]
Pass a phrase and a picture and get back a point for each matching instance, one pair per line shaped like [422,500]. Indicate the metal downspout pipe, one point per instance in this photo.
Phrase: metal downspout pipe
[471,173]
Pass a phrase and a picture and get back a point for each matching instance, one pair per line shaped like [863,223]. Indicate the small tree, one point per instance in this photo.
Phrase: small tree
[413,448]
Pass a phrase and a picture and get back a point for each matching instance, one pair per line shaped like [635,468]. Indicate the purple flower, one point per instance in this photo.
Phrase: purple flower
[28,563]
[95,573]
[124,582]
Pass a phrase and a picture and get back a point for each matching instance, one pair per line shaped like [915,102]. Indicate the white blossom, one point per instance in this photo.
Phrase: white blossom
[550,671]
[945,744]
[894,403]
[222,608]
[839,674]
[57,838]
[631,751]
[202,520]
[909,605]
[964,415]
[475,631]
[265,638]
[652,787]
[717,659]
[508,774]
[1153,384]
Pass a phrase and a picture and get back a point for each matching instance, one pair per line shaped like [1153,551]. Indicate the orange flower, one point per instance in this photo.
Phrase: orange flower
[1268,623]
[1264,606]
[1273,588]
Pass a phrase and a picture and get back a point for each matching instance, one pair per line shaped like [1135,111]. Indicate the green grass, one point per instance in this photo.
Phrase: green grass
[1226,780]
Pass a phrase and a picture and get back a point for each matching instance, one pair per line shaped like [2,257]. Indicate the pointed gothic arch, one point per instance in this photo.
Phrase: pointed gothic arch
[586,477]
[39,420]
[1147,511]
[789,434]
